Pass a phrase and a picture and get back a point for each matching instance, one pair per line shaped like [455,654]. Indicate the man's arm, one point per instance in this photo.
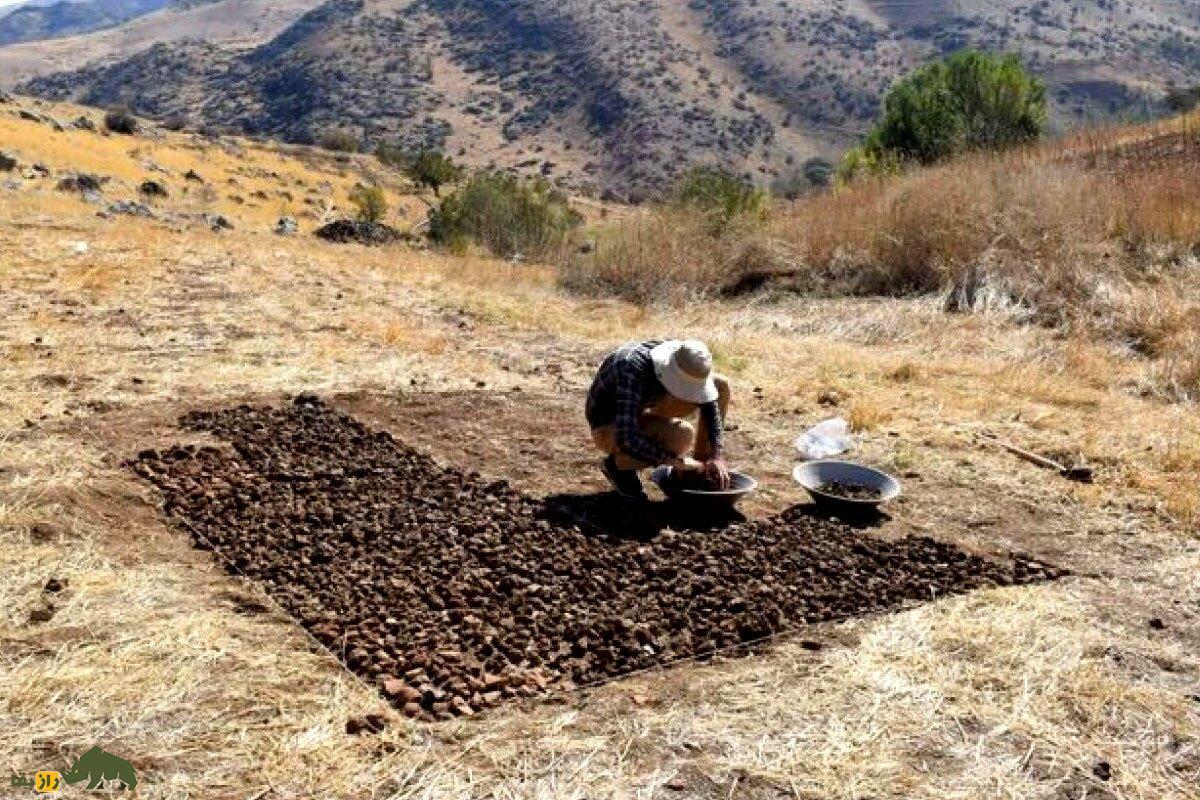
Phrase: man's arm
[631,440]
[711,414]
[715,467]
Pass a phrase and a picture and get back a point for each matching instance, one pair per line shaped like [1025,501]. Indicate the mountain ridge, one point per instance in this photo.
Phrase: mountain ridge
[619,96]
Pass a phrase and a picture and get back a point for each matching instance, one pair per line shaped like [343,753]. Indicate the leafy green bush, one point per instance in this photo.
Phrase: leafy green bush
[370,203]
[506,214]
[819,171]
[720,194]
[968,101]
[860,161]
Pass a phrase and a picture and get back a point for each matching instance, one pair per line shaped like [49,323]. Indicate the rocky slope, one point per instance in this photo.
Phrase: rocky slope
[620,95]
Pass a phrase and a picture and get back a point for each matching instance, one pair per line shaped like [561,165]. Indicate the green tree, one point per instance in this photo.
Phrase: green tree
[967,101]
[432,170]
[370,203]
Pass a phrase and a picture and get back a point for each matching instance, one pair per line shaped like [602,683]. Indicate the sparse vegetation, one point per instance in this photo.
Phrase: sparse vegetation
[967,101]
[120,119]
[370,203]
[339,142]
[508,215]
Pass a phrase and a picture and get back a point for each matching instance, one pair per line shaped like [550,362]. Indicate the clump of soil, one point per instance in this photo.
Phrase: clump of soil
[352,230]
[851,491]
[690,480]
[454,594]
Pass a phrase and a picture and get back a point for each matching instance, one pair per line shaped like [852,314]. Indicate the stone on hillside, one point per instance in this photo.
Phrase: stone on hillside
[351,230]
[7,163]
[80,183]
[83,123]
[130,208]
[217,222]
[287,226]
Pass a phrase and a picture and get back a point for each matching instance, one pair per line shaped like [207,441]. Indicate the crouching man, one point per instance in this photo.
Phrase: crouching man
[641,406]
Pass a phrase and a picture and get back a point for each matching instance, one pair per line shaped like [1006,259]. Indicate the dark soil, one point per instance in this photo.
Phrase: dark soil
[351,230]
[851,491]
[690,480]
[454,594]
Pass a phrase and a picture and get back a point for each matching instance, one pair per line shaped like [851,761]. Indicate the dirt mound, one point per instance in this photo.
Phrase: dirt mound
[454,594]
[351,230]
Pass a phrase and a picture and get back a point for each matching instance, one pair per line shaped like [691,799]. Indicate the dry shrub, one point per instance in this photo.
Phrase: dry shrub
[667,254]
[1096,234]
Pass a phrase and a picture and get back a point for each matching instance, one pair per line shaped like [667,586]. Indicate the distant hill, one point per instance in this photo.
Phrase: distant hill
[609,96]
[34,22]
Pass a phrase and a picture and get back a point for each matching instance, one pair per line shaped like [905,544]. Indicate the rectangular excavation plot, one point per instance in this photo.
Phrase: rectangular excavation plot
[454,594]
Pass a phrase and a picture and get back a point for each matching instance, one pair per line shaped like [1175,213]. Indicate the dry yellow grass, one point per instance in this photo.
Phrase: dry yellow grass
[251,183]
[1094,233]
[1012,693]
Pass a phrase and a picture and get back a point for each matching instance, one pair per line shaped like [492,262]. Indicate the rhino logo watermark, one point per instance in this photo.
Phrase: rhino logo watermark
[101,770]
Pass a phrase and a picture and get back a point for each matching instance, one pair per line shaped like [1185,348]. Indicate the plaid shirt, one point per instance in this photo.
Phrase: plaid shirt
[625,386]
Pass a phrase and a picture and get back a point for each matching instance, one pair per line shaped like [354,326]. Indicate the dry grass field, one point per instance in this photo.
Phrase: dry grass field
[1088,687]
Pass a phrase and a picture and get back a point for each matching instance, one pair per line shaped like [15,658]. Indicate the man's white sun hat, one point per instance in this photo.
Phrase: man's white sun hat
[685,369]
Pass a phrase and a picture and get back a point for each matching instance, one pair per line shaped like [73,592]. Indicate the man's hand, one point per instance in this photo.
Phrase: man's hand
[688,464]
[717,472]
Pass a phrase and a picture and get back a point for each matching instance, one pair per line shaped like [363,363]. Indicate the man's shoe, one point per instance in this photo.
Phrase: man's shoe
[625,481]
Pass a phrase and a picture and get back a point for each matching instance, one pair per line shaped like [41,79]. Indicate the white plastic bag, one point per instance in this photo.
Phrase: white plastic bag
[824,439]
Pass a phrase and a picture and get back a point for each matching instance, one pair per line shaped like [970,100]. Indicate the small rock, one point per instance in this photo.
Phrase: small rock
[286,226]
[368,723]
[1156,624]
[54,585]
[7,163]
[193,176]
[1102,770]
[41,614]
[218,222]
[83,123]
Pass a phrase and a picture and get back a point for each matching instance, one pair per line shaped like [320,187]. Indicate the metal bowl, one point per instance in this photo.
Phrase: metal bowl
[815,474]
[740,485]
